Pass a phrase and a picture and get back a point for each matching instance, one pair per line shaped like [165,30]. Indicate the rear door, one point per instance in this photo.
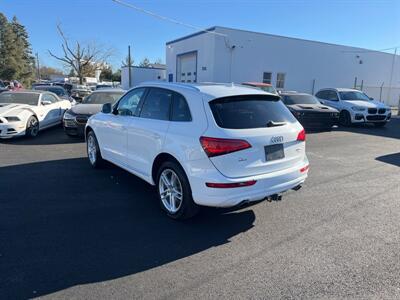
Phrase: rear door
[266,124]
[146,133]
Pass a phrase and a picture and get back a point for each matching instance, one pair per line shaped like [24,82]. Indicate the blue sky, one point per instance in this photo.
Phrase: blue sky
[367,24]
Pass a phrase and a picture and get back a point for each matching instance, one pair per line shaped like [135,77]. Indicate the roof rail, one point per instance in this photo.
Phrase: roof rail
[169,84]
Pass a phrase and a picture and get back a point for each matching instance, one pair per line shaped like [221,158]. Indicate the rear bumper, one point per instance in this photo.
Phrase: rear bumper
[266,185]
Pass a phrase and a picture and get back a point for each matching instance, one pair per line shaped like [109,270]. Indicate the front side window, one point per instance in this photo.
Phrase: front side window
[280,80]
[267,77]
[180,109]
[253,111]
[129,103]
[157,104]
[354,96]
[48,97]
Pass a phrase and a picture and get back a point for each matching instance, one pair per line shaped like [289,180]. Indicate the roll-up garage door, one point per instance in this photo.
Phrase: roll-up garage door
[186,67]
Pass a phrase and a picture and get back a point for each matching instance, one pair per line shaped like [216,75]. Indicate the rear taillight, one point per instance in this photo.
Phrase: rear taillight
[304,169]
[216,146]
[301,136]
[230,185]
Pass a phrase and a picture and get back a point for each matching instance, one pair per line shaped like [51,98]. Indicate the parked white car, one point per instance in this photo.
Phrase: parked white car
[213,144]
[28,112]
[355,106]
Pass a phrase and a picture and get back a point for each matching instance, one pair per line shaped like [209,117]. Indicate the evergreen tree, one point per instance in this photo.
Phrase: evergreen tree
[8,63]
[16,60]
[23,53]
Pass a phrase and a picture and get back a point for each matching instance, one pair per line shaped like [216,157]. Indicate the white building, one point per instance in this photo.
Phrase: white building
[141,74]
[231,55]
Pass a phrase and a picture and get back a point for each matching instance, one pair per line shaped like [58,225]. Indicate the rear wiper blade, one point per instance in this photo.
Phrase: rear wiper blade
[275,124]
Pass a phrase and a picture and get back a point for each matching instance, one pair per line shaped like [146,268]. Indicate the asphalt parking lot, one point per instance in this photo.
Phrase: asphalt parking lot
[68,231]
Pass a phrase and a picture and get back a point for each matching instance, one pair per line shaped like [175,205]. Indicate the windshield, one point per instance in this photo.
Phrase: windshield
[268,89]
[102,98]
[255,111]
[80,87]
[354,96]
[20,98]
[102,86]
[56,90]
[299,99]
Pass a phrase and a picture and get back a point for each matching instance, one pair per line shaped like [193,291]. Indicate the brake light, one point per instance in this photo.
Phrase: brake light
[216,146]
[230,185]
[304,169]
[301,136]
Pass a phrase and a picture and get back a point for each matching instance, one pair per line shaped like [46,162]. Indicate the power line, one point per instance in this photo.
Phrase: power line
[144,11]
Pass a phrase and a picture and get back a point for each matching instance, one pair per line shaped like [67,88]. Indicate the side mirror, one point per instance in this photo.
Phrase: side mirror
[370,98]
[45,102]
[107,108]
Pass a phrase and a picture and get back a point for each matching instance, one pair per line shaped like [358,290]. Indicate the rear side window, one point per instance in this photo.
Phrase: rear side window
[157,104]
[252,111]
[180,109]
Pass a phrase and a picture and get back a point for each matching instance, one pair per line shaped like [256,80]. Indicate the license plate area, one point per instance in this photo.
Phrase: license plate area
[274,152]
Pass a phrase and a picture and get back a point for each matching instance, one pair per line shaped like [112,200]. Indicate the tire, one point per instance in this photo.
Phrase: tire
[380,124]
[345,118]
[174,192]
[93,151]
[32,127]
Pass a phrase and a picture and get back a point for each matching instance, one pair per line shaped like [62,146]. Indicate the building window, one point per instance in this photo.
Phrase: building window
[280,80]
[267,77]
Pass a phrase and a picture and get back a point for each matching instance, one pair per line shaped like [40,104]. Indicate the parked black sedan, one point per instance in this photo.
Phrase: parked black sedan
[309,111]
[75,119]
[58,90]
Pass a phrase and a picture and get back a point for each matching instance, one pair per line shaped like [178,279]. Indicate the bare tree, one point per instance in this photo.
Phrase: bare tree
[80,57]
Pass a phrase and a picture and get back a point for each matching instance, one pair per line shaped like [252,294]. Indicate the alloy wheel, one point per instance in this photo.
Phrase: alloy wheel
[33,127]
[91,149]
[170,189]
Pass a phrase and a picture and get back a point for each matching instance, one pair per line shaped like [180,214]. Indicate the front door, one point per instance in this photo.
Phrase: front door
[114,134]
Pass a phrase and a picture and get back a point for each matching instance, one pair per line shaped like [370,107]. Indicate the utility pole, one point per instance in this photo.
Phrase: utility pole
[391,74]
[38,66]
[129,66]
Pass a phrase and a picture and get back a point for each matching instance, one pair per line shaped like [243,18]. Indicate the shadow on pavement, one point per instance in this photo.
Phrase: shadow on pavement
[391,130]
[50,136]
[63,224]
[393,159]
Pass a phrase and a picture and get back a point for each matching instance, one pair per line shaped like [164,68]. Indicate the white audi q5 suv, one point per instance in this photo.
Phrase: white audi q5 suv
[217,145]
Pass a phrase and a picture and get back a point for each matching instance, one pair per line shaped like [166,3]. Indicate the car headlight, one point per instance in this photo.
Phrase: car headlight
[13,119]
[69,116]
[358,108]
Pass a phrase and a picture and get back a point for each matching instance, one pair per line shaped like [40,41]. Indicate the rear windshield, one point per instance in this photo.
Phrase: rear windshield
[252,111]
